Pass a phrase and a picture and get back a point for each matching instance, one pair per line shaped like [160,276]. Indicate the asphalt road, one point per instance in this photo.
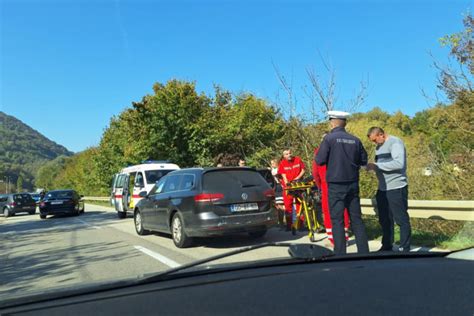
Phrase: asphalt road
[63,251]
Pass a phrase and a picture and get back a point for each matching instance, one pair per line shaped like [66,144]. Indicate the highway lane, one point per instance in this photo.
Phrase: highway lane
[62,251]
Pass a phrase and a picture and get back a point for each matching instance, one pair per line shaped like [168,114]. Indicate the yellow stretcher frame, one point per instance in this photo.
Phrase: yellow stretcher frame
[301,191]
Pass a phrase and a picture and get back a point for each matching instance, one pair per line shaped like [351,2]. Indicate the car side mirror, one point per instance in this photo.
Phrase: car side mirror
[142,194]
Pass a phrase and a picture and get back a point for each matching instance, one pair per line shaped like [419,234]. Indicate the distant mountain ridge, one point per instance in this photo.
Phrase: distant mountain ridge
[23,150]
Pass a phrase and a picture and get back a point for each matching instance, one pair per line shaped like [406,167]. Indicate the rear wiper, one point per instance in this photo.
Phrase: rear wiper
[296,251]
[249,185]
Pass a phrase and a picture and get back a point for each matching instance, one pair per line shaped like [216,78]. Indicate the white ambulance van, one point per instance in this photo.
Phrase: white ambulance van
[130,181]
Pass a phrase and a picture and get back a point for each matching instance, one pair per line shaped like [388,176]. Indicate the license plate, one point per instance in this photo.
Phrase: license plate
[244,207]
[26,207]
[56,202]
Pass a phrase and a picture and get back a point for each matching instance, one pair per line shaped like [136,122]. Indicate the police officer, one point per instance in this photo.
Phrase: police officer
[343,154]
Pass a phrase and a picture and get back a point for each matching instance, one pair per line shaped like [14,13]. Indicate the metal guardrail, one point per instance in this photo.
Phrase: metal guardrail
[449,210]
[96,198]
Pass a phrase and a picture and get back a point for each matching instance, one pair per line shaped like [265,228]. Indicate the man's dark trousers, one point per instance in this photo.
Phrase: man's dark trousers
[346,195]
[393,205]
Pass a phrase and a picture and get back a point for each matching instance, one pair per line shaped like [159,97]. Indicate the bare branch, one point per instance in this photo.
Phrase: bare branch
[287,87]
[465,78]
[326,100]
[360,98]
[326,65]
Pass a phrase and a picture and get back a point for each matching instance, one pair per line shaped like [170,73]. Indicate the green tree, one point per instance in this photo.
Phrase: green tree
[81,174]
[247,127]
[23,150]
[47,173]
[455,81]
[161,126]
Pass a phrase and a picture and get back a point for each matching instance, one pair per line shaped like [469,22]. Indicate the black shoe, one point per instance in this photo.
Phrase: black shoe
[383,249]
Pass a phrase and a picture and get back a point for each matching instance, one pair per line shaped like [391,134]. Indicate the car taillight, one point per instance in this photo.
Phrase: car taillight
[13,204]
[269,193]
[42,204]
[208,197]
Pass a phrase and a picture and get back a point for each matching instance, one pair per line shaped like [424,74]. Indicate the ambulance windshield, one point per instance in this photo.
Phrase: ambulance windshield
[152,176]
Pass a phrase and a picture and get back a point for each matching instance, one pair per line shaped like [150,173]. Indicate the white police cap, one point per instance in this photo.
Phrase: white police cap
[338,115]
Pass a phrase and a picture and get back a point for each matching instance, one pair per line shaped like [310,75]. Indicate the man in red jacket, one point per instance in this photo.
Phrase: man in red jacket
[291,169]
[319,176]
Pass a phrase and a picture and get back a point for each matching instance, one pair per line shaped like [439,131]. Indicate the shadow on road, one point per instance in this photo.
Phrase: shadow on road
[244,240]
[57,223]
[241,239]
[40,254]
[20,214]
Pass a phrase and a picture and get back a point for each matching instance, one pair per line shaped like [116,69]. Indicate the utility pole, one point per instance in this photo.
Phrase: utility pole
[7,188]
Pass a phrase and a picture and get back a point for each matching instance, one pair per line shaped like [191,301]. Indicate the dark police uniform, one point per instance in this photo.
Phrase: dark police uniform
[343,154]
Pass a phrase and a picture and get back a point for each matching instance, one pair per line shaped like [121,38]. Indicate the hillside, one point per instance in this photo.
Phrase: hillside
[23,150]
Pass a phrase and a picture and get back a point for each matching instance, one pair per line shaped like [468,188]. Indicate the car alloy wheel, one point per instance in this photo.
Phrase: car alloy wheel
[180,239]
[138,221]
[177,229]
[6,213]
[137,218]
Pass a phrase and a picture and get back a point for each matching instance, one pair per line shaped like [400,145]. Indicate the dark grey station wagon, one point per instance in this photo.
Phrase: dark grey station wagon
[201,202]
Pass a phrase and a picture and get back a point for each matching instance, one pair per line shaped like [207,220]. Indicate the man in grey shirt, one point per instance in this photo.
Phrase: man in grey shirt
[392,194]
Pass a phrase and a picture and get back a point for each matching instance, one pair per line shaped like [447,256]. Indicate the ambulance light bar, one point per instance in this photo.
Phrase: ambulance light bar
[155,161]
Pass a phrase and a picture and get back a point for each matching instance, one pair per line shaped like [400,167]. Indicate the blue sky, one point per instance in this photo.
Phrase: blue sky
[68,66]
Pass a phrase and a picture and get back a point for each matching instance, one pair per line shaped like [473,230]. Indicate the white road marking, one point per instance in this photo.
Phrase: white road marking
[170,263]
[84,222]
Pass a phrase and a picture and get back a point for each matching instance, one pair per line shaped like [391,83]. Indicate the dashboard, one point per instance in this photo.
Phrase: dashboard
[385,286]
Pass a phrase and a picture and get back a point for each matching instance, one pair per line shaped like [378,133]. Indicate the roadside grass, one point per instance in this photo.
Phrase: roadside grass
[444,234]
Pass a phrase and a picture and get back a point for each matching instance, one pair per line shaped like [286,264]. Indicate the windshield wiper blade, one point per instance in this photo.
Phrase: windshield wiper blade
[296,251]
[216,257]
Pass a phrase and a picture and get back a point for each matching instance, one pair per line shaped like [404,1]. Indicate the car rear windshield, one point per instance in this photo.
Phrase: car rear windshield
[59,194]
[232,180]
[152,176]
[267,175]
[22,198]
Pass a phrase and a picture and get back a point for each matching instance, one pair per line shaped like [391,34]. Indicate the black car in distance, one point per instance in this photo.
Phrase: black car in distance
[201,202]
[61,202]
[11,204]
